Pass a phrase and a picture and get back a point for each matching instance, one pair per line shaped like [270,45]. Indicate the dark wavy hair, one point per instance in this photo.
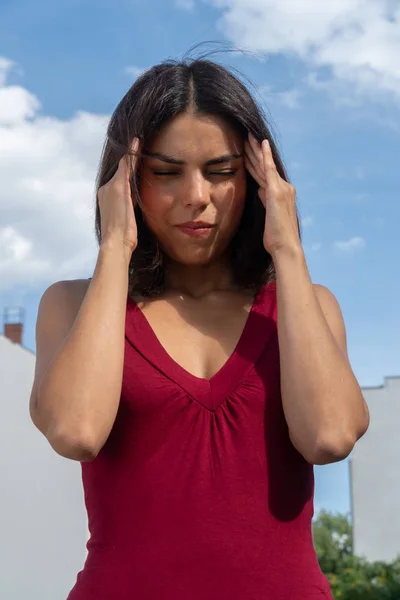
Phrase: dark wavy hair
[158,95]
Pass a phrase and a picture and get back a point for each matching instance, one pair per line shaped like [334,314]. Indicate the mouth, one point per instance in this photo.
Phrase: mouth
[196,228]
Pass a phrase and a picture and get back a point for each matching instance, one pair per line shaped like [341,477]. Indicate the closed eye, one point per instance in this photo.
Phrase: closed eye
[166,173]
[223,172]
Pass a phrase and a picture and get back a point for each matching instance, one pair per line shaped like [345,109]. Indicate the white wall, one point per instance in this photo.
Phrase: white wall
[375,476]
[43,528]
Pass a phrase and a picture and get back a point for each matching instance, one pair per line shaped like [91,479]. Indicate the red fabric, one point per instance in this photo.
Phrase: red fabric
[198,493]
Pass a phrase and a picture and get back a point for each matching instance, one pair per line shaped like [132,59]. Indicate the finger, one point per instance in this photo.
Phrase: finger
[134,161]
[256,147]
[134,153]
[255,153]
[252,171]
[268,160]
[122,171]
[128,162]
[135,147]
[257,165]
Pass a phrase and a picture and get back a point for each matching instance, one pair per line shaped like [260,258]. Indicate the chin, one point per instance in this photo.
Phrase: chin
[192,257]
[194,261]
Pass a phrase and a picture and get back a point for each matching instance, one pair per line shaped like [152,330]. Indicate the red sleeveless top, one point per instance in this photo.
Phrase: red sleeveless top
[198,493]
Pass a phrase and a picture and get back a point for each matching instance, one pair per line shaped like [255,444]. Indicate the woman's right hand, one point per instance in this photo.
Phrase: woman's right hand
[118,222]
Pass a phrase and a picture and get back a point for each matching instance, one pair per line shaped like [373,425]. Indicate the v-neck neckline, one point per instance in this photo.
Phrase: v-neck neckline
[210,393]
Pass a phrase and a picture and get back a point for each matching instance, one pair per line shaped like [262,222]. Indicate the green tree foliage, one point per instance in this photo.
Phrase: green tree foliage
[352,577]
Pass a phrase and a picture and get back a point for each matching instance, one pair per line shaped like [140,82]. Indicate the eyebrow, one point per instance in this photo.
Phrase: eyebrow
[174,161]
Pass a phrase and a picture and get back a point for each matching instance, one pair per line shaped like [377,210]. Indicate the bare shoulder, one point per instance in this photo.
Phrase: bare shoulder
[333,314]
[326,299]
[65,296]
[58,308]
[57,311]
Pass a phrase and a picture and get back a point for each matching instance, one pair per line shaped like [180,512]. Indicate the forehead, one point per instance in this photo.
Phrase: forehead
[197,136]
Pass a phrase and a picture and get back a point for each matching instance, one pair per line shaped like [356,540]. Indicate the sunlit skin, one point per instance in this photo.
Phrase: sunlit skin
[172,194]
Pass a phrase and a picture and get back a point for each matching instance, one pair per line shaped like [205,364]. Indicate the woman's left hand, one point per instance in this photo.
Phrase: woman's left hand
[277,195]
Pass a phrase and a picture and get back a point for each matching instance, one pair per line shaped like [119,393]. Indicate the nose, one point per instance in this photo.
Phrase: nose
[196,190]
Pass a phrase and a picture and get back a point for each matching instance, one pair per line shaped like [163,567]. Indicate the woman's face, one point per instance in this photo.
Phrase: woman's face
[193,173]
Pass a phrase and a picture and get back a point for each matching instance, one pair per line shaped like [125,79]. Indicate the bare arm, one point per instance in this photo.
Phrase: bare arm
[80,350]
[79,364]
[323,403]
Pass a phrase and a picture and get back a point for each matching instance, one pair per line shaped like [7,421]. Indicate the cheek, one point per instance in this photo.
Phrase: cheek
[231,201]
[155,204]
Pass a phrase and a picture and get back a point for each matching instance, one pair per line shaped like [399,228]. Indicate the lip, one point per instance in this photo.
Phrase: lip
[196,228]
[196,225]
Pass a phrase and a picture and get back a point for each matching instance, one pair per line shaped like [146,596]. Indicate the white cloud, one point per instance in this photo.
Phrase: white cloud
[134,72]
[289,98]
[12,245]
[47,173]
[5,66]
[188,5]
[359,172]
[341,94]
[358,39]
[354,243]
[17,104]
[316,247]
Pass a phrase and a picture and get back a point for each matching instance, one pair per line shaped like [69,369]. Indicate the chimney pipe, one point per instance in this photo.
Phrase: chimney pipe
[13,319]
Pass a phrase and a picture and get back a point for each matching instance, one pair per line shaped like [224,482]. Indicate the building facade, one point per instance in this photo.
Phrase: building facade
[43,525]
[375,476]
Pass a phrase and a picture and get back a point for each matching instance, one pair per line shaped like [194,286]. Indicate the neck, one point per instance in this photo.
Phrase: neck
[199,280]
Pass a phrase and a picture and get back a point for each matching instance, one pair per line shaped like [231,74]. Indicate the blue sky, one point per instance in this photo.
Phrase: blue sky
[329,82]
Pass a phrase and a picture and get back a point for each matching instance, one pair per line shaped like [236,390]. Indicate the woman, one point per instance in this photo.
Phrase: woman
[199,374]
